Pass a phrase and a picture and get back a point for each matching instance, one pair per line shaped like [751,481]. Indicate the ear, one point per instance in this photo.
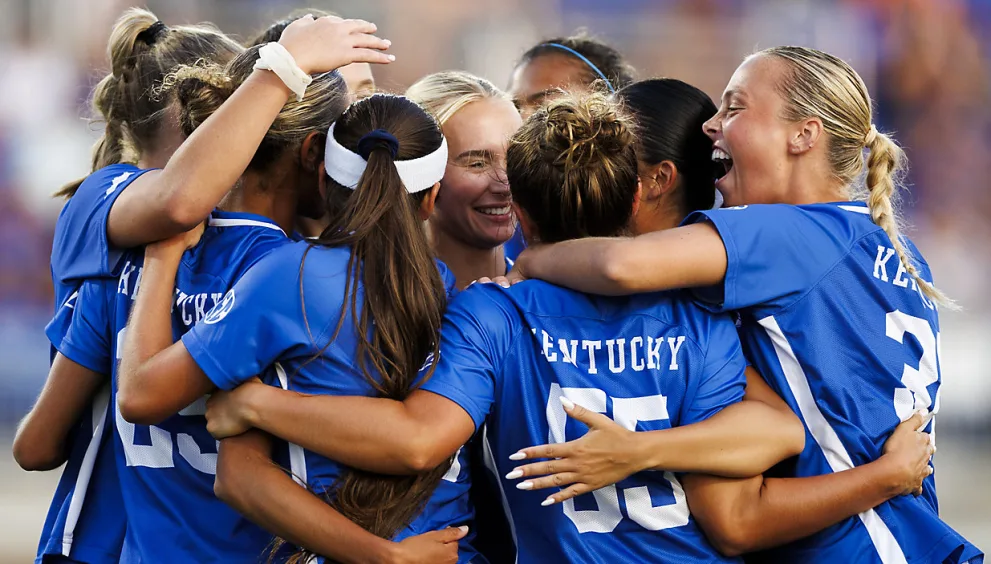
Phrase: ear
[322,181]
[807,134]
[636,198]
[311,151]
[526,225]
[651,181]
[427,205]
[667,177]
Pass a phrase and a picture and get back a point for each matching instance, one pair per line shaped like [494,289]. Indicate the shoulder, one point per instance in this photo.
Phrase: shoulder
[109,180]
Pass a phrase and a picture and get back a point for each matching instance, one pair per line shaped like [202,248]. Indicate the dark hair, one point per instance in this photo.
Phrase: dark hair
[604,56]
[398,320]
[201,89]
[142,51]
[274,31]
[573,169]
[669,115]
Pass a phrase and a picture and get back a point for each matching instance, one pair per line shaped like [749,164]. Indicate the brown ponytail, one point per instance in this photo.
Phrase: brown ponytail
[142,50]
[403,293]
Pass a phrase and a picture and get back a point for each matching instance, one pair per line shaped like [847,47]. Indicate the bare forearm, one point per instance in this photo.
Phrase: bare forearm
[369,433]
[268,496]
[588,265]
[741,441]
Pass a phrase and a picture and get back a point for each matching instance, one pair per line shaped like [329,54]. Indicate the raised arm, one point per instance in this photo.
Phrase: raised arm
[157,377]
[166,202]
[42,436]
[740,516]
[375,434]
[683,257]
[251,483]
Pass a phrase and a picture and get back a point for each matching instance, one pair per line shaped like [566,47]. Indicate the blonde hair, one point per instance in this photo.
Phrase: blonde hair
[142,51]
[820,85]
[443,94]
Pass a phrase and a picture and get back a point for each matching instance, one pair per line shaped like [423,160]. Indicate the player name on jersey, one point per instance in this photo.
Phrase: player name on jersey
[640,351]
[191,307]
[901,278]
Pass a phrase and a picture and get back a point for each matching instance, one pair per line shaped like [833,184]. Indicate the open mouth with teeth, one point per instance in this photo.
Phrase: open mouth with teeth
[495,211]
[722,157]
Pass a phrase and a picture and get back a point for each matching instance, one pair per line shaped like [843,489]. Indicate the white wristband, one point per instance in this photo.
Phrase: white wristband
[276,58]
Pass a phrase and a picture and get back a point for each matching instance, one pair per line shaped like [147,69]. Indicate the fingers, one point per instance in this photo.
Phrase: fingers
[560,450]
[453,534]
[366,41]
[541,469]
[358,26]
[913,422]
[371,56]
[566,494]
[554,481]
[588,417]
[514,277]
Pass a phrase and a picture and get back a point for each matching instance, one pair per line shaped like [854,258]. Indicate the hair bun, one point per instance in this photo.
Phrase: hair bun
[582,129]
[375,139]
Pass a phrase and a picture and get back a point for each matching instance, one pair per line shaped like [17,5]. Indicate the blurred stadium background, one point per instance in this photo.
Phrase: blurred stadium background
[926,62]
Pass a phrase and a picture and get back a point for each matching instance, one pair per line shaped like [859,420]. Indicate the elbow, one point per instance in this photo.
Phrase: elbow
[223,488]
[730,537]
[729,545]
[422,455]
[36,457]
[619,271]
[138,408]
[794,436]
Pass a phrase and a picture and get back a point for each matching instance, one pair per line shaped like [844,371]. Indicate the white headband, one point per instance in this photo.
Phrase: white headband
[346,167]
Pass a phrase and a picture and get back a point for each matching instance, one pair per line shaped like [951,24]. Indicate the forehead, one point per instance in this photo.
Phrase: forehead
[757,78]
[482,124]
[547,71]
[355,74]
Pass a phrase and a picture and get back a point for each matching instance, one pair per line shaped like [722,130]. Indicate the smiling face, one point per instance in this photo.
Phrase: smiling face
[750,135]
[473,205]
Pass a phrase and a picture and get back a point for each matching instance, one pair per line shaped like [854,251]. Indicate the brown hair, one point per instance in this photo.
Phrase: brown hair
[605,57]
[142,51]
[572,167]
[398,320]
[820,85]
[274,31]
[201,89]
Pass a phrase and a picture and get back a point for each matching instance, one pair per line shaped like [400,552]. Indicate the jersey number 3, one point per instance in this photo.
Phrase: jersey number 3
[915,395]
[639,508]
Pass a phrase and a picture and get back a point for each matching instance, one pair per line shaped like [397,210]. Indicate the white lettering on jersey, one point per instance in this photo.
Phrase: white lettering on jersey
[644,352]
[219,311]
[902,278]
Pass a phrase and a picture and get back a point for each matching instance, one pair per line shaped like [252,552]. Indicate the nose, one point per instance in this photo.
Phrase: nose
[713,126]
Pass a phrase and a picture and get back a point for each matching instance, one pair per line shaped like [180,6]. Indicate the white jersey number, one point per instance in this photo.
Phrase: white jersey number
[158,454]
[915,395]
[639,508]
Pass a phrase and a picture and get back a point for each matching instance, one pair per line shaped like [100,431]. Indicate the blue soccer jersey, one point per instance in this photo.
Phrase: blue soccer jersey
[840,331]
[86,519]
[649,362]
[261,328]
[167,470]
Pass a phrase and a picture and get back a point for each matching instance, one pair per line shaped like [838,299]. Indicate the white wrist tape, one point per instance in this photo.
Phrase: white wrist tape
[276,58]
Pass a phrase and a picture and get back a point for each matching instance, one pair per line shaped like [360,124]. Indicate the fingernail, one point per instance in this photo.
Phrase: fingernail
[463,528]
[518,455]
[934,450]
[387,43]
[527,485]
[504,284]
[546,502]
[392,58]
[568,404]
[514,474]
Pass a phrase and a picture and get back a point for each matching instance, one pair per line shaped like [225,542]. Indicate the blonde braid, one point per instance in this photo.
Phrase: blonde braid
[882,164]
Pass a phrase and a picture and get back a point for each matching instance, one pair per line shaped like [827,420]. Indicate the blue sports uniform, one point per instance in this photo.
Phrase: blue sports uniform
[167,470]
[650,362]
[86,520]
[843,334]
[261,329]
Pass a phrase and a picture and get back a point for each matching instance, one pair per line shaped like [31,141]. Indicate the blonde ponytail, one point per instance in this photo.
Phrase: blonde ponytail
[883,164]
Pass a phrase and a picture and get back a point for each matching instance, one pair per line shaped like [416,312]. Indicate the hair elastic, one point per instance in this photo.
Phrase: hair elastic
[153,32]
[276,58]
[584,59]
[346,167]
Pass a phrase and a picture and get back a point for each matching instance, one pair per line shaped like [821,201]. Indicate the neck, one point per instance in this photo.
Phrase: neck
[250,195]
[815,186]
[658,217]
[466,262]
[156,158]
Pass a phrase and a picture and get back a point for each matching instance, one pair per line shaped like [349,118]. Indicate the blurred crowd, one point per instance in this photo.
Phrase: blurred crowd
[926,62]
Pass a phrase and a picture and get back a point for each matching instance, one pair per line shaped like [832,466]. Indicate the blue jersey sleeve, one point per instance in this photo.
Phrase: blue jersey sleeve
[722,381]
[258,321]
[80,248]
[774,254]
[478,331]
[88,341]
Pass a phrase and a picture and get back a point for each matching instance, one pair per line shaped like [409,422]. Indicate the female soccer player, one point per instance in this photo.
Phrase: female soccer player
[473,216]
[86,520]
[508,357]
[846,335]
[366,298]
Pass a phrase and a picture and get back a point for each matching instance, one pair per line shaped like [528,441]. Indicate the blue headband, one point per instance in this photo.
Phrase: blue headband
[584,59]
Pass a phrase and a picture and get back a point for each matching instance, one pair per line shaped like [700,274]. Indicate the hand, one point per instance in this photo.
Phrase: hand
[907,451]
[604,456]
[178,244]
[226,412]
[328,43]
[435,547]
